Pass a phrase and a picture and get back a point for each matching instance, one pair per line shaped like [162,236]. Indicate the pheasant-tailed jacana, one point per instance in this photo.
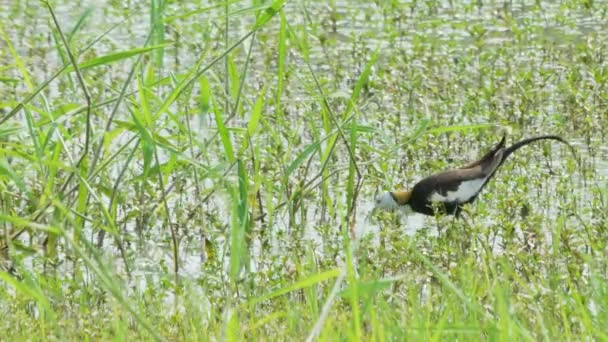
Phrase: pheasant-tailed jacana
[448,191]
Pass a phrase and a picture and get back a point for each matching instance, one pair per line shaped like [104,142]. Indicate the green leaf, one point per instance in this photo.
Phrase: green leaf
[115,57]
[300,284]
[421,129]
[205,95]
[7,170]
[8,130]
[243,193]
[301,157]
[269,12]
[256,113]
[281,62]
[370,288]
[143,100]
[361,82]
[235,80]
[224,135]
[80,23]
[147,143]
[184,83]
[21,222]
[15,56]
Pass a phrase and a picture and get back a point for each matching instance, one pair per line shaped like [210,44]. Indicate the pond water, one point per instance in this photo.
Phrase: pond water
[466,71]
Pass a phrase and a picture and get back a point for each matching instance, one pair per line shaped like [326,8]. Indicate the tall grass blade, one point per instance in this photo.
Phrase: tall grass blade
[300,284]
[239,249]
[17,59]
[224,135]
[115,57]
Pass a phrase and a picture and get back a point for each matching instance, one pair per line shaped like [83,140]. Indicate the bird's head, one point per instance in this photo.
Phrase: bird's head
[392,200]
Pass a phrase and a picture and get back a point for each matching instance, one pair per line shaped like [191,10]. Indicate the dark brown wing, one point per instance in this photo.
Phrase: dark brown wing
[450,180]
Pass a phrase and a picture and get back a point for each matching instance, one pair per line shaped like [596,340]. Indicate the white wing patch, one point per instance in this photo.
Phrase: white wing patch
[465,191]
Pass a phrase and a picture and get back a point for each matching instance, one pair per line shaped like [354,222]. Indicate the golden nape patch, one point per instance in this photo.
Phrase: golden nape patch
[402,196]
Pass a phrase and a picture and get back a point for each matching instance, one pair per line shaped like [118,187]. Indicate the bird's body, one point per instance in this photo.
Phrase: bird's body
[448,191]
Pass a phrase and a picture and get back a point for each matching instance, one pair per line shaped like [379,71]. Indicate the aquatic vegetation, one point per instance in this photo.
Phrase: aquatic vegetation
[203,171]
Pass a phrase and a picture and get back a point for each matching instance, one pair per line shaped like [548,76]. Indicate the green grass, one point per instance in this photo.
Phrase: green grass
[205,172]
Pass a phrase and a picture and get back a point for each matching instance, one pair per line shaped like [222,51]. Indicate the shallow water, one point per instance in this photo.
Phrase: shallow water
[504,65]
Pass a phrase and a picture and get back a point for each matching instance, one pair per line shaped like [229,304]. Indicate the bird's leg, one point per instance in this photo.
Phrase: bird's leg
[438,225]
[439,211]
[463,214]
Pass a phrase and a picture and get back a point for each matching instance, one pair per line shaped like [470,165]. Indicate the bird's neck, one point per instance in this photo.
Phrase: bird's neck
[402,197]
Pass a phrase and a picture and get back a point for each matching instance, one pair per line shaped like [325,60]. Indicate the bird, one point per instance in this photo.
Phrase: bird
[448,191]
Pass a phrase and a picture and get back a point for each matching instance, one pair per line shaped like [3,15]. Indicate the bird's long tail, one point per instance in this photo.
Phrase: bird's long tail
[525,142]
[507,152]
